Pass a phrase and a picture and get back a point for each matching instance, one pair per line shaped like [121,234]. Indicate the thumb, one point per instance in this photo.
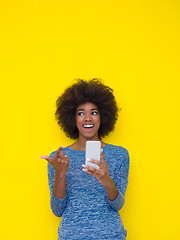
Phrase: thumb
[47,158]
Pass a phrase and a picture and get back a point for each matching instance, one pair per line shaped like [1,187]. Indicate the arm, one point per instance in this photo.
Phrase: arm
[116,187]
[57,167]
[57,204]
[120,179]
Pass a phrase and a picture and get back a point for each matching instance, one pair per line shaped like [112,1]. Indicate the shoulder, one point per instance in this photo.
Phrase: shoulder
[119,154]
[117,149]
[117,158]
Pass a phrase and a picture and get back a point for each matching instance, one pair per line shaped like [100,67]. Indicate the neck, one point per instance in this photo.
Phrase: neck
[80,144]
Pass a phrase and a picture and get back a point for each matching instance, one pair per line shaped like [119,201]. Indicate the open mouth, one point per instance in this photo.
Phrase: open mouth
[88,126]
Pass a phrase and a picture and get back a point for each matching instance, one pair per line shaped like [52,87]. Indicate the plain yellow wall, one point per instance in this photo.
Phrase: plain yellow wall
[134,47]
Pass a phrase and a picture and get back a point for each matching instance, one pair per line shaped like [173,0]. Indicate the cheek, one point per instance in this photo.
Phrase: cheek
[98,120]
[78,121]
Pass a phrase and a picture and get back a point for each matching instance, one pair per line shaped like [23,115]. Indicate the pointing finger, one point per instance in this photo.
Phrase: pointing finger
[58,151]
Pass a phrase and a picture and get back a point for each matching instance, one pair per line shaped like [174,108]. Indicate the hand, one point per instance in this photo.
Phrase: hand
[102,173]
[60,162]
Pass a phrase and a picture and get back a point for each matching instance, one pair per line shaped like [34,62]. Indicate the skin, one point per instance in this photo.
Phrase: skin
[86,113]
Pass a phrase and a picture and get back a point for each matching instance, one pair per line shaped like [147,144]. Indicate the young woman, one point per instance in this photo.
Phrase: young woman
[88,199]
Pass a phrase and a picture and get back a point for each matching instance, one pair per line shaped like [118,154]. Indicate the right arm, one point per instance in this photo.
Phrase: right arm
[58,164]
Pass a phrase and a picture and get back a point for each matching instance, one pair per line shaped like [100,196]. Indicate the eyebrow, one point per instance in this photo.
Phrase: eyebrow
[82,109]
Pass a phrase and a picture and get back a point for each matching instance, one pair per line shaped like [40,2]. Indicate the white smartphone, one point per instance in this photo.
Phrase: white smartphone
[93,149]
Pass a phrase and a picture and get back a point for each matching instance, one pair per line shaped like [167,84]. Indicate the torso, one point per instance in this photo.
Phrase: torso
[87,212]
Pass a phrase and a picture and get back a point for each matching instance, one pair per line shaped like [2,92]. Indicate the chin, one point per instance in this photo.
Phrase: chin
[92,137]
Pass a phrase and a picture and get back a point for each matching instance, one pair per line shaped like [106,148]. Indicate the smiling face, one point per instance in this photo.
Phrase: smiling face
[88,121]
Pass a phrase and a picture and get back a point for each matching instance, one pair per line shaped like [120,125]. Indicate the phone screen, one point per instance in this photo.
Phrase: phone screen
[93,149]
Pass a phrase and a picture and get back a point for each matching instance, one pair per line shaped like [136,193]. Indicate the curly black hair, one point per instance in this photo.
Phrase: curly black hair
[82,91]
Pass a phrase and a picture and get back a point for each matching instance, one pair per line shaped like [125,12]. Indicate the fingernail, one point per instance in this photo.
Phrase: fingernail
[42,157]
[83,165]
[60,147]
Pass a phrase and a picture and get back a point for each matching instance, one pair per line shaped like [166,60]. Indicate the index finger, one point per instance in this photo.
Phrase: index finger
[94,161]
[58,151]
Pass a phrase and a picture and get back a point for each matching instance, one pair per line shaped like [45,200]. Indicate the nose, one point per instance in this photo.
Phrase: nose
[88,117]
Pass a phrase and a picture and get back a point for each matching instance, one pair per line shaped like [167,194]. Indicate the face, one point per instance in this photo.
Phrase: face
[88,120]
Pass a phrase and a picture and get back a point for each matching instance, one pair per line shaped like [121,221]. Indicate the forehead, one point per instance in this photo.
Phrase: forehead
[87,106]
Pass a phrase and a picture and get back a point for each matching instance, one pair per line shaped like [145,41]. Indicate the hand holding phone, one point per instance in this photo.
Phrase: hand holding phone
[93,149]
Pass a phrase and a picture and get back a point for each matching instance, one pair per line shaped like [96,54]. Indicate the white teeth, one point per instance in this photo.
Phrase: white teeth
[88,126]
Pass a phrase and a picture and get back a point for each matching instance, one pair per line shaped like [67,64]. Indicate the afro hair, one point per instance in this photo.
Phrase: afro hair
[80,92]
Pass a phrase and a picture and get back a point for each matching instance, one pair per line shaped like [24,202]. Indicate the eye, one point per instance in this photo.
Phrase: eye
[94,113]
[80,114]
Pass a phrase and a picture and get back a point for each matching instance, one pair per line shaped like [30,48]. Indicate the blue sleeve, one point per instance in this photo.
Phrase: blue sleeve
[57,205]
[120,180]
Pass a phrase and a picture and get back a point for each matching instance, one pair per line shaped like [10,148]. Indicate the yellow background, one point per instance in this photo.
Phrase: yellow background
[134,46]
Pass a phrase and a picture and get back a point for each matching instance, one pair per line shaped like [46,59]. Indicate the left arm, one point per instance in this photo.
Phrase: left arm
[115,191]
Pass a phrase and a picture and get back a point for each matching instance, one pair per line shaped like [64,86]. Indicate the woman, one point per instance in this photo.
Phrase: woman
[88,199]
